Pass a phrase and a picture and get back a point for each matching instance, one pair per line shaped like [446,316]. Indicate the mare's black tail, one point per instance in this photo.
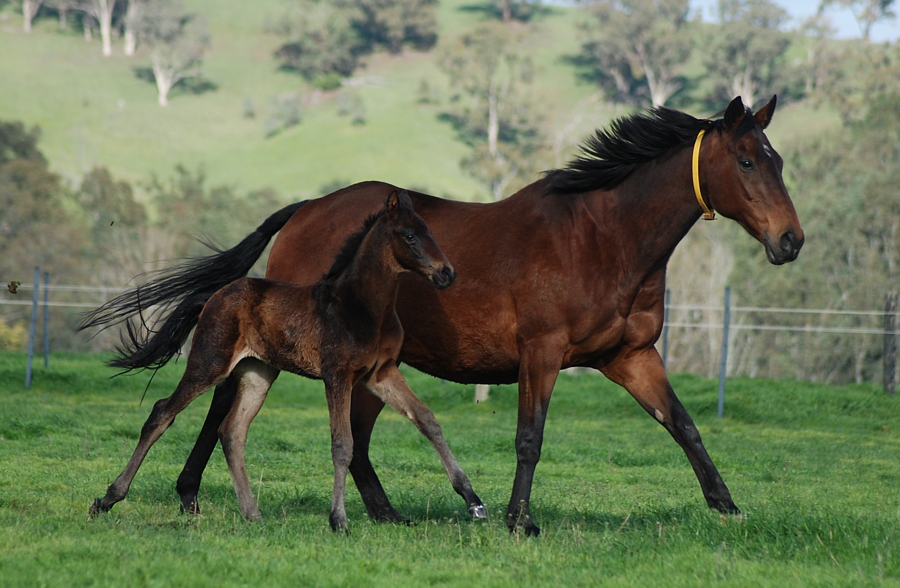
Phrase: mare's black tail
[184,289]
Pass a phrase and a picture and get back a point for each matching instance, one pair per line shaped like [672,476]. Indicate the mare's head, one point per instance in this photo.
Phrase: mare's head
[412,243]
[743,180]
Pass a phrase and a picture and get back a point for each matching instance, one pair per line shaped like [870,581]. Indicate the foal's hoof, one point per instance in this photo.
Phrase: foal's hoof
[97,508]
[477,511]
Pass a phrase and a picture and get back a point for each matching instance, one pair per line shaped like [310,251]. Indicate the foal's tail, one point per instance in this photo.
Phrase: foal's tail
[184,289]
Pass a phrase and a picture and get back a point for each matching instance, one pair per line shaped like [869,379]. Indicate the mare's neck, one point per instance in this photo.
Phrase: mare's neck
[652,210]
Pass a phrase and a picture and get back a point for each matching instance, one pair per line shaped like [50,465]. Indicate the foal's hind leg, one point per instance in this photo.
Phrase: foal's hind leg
[390,385]
[254,380]
[196,380]
[642,373]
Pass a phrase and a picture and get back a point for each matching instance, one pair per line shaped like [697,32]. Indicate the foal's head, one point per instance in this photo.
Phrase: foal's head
[745,183]
[412,243]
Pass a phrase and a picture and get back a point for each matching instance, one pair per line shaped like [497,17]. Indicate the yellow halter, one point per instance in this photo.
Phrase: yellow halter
[708,213]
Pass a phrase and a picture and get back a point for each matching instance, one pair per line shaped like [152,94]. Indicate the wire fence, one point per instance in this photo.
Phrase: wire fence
[716,319]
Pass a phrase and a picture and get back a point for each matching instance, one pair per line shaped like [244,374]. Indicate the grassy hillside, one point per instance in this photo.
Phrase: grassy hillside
[813,467]
[94,110]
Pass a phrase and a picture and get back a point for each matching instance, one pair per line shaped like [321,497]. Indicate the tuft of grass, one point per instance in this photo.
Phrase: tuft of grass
[813,467]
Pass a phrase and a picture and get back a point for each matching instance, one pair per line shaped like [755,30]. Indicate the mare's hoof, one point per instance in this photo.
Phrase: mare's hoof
[96,508]
[477,511]
[190,505]
[522,524]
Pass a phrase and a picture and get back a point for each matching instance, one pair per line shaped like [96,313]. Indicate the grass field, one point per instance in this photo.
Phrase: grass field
[813,467]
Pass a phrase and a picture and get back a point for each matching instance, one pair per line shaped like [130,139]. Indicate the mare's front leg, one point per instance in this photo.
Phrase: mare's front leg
[188,484]
[196,380]
[254,380]
[540,361]
[390,385]
[642,373]
[364,410]
[338,388]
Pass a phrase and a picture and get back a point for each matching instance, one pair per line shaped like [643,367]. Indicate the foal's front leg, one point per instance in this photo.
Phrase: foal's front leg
[337,393]
[390,385]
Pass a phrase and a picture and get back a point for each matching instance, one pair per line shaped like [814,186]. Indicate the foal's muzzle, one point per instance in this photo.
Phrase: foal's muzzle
[786,250]
[443,277]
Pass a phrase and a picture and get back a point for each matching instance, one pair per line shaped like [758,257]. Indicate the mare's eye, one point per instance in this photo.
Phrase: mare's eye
[410,238]
[747,165]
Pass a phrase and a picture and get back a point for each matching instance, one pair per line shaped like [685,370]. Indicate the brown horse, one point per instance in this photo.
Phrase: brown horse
[343,329]
[569,271]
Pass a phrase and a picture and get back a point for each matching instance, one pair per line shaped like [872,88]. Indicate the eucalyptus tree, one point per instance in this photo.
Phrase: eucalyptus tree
[745,53]
[637,49]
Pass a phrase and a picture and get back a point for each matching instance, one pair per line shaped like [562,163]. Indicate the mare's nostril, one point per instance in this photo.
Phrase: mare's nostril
[788,242]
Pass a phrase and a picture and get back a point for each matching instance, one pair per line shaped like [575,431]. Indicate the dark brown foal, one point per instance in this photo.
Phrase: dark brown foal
[343,329]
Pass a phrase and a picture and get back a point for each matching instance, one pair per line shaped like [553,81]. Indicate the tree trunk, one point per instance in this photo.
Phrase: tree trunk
[105,13]
[130,41]
[131,14]
[164,83]
[29,11]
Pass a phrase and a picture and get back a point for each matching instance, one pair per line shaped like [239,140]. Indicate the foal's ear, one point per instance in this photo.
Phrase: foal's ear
[763,116]
[392,204]
[734,114]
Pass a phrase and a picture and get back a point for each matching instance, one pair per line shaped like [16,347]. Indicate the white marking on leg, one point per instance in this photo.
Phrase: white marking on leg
[659,415]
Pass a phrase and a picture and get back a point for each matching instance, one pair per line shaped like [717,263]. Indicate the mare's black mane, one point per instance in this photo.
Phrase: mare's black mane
[348,251]
[611,155]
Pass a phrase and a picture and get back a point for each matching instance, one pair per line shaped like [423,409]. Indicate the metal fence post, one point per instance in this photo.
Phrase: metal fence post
[34,313]
[890,343]
[46,320]
[665,351]
[726,319]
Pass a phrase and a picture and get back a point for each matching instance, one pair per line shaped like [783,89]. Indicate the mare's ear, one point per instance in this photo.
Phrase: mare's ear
[734,114]
[392,205]
[763,116]
[405,202]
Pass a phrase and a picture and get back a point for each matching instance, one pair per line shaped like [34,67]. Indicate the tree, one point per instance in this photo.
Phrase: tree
[637,48]
[102,12]
[176,41]
[323,42]
[510,10]
[36,225]
[395,22]
[866,12]
[30,9]
[130,22]
[487,73]
[744,56]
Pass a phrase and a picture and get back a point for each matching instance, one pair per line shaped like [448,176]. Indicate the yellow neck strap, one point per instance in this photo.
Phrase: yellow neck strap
[708,213]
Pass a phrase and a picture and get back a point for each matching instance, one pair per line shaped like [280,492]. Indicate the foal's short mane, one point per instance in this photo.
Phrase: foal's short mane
[351,246]
[611,155]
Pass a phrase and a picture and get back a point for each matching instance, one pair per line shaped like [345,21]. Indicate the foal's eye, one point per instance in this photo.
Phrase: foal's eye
[747,165]
[410,238]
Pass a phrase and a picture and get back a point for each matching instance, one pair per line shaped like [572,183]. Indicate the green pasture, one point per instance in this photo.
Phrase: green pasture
[813,467]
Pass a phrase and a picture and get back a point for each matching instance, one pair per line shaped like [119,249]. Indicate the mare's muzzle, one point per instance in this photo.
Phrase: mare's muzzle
[786,250]
[443,277]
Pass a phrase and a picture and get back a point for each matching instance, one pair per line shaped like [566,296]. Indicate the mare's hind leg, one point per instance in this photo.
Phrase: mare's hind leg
[188,485]
[197,379]
[254,380]
[642,373]
[364,410]
[390,385]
